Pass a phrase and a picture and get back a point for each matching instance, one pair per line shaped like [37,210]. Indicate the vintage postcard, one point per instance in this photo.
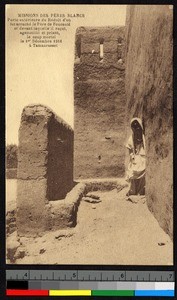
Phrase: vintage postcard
[89,134]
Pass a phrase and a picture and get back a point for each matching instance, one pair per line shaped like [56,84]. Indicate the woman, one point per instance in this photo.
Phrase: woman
[136,167]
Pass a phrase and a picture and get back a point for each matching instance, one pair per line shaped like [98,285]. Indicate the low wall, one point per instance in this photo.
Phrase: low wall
[45,167]
[11,173]
[149,89]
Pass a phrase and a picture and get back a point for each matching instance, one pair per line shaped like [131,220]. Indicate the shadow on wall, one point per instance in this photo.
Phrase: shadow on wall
[60,159]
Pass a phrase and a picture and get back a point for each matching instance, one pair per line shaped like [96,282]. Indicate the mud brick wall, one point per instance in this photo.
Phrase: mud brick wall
[99,103]
[45,167]
[149,95]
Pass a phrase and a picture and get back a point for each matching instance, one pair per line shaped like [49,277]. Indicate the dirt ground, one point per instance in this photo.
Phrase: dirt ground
[114,231]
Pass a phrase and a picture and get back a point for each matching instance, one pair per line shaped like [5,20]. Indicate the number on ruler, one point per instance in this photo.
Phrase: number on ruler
[122,275]
[74,275]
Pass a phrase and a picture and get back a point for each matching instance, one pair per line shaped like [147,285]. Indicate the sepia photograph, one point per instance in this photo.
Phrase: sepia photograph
[89,134]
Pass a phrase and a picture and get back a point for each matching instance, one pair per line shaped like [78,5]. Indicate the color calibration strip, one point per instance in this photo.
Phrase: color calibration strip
[99,289]
[89,283]
[161,293]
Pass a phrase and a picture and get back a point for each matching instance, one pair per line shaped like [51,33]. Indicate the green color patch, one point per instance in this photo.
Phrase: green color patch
[112,293]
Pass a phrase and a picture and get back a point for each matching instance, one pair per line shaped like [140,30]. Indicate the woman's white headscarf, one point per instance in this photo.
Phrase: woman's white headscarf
[141,124]
[139,121]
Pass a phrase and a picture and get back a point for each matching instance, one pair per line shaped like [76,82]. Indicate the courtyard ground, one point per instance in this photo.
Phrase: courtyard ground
[115,231]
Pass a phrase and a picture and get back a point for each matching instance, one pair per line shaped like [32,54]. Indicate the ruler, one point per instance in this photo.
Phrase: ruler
[90,275]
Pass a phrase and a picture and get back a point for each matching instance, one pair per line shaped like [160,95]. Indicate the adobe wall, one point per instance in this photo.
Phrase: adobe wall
[45,167]
[99,103]
[149,77]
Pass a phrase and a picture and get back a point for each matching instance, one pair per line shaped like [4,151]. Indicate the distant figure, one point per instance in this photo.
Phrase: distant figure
[136,167]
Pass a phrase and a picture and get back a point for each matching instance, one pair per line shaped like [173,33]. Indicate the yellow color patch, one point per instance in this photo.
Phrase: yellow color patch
[69,292]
